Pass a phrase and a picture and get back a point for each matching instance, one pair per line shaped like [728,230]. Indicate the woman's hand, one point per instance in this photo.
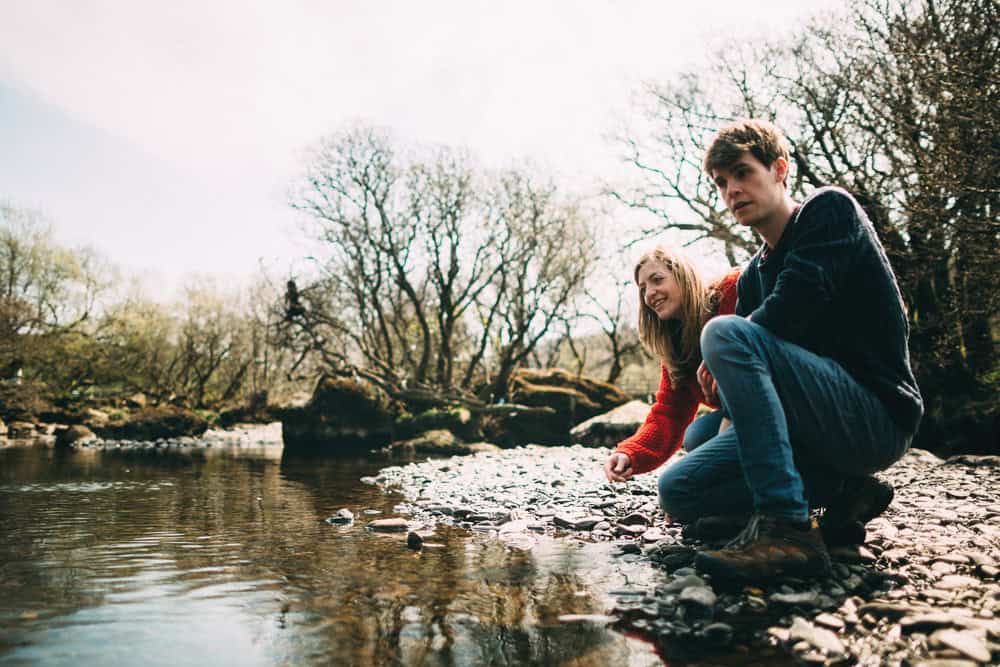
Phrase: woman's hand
[618,467]
[708,385]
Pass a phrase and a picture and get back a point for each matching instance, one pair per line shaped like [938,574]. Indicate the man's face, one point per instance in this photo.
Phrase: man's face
[751,191]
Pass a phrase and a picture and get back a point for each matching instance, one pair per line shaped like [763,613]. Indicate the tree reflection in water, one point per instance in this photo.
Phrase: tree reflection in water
[207,555]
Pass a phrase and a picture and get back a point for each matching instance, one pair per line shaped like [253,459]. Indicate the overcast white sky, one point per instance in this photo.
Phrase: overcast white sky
[165,134]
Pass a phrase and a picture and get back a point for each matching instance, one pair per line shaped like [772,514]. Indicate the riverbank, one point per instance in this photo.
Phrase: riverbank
[923,589]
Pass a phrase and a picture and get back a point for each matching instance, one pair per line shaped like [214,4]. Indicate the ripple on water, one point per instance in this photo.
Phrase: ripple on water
[71,487]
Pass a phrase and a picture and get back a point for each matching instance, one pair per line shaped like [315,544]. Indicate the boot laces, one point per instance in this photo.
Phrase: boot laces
[750,533]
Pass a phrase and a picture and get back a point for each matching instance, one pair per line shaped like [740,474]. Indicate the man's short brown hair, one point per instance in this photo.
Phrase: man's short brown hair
[763,139]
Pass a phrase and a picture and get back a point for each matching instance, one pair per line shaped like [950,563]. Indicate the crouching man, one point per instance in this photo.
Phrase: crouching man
[813,371]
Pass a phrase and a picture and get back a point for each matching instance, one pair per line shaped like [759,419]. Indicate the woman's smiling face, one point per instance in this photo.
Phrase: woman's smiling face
[658,289]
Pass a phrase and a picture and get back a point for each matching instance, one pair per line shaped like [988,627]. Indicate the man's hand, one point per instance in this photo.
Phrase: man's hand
[618,467]
[708,385]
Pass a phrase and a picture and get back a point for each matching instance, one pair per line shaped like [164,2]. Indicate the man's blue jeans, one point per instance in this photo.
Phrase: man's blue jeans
[793,413]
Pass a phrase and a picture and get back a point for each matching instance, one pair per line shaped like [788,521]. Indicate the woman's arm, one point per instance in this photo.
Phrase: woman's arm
[660,435]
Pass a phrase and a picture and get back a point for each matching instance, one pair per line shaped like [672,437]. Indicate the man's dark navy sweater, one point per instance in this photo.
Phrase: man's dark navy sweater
[827,286]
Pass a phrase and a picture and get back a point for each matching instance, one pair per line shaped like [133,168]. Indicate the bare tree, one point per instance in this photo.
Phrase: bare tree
[435,277]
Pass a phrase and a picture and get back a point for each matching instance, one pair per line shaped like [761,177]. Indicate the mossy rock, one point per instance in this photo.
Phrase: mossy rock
[439,441]
[353,401]
[457,420]
[152,423]
[573,398]
[243,414]
[27,401]
[532,386]
[971,427]
[343,414]
[71,435]
[256,409]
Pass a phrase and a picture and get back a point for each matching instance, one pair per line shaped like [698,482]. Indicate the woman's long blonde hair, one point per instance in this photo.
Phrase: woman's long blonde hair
[677,342]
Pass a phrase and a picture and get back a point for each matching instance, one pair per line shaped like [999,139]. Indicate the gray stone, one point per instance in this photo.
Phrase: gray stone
[679,584]
[821,638]
[635,519]
[965,643]
[609,428]
[414,541]
[956,581]
[342,516]
[394,525]
[577,523]
[698,596]
[720,634]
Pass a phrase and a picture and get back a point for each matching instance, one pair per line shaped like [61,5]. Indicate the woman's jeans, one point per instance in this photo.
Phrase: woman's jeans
[794,415]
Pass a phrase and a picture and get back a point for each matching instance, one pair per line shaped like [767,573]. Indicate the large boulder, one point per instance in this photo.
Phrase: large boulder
[95,419]
[256,409]
[610,428]
[137,400]
[24,402]
[457,420]
[343,414]
[76,434]
[152,423]
[573,398]
[21,430]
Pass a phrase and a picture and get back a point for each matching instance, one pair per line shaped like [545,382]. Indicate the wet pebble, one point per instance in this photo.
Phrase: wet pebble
[341,517]
[394,525]
[414,541]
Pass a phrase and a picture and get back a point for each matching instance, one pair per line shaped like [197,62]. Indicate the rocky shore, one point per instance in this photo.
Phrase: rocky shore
[923,590]
[239,435]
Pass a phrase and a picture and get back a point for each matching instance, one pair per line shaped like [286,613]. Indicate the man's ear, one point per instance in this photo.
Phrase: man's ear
[780,167]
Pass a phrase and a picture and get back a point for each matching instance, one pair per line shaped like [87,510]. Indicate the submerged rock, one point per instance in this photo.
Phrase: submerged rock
[342,516]
[394,525]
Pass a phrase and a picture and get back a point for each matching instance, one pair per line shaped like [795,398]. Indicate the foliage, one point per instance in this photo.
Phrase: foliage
[68,334]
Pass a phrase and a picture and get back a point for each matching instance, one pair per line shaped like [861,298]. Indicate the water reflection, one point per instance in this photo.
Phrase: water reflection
[221,555]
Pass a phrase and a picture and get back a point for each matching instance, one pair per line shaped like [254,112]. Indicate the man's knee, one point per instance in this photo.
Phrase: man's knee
[677,497]
[724,332]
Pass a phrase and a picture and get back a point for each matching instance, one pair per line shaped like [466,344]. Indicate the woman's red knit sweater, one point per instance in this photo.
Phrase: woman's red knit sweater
[661,434]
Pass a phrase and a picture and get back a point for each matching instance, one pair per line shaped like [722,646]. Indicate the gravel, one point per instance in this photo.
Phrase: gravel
[922,590]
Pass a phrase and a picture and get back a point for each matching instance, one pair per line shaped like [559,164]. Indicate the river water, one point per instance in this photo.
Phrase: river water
[213,555]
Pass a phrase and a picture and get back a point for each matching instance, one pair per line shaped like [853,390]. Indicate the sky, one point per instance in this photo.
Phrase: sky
[166,135]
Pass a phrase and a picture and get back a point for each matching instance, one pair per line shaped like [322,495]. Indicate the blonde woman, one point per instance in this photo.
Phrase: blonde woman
[674,305]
